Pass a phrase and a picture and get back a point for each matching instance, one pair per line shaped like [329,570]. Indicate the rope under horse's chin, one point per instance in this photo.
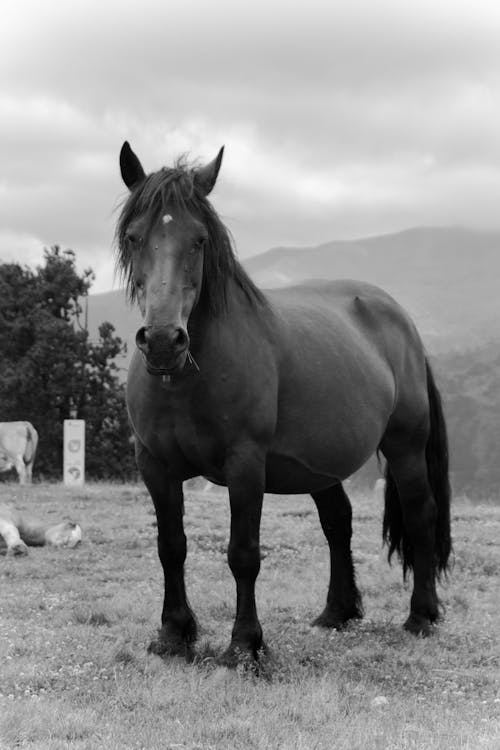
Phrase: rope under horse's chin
[192,360]
[166,375]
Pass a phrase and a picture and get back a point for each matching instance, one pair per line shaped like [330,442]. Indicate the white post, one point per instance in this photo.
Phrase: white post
[74,452]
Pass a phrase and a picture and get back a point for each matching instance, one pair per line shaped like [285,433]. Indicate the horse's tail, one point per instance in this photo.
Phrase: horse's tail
[437,461]
[31,444]
[437,458]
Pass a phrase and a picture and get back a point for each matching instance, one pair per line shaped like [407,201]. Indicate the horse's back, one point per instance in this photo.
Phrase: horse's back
[348,325]
[341,302]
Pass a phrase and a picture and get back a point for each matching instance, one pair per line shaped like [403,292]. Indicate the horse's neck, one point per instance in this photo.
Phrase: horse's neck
[205,327]
[228,336]
[239,305]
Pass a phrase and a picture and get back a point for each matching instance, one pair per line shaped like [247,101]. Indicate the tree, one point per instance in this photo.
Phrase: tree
[51,371]
[104,409]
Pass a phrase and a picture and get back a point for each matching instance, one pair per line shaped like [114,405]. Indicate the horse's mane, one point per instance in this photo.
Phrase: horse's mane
[175,188]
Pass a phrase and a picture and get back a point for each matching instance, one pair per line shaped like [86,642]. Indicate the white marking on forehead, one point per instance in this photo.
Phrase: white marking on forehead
[166,219]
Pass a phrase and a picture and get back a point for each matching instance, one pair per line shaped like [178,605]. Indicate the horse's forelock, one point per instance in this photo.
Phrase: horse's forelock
[167,186]
[174,189]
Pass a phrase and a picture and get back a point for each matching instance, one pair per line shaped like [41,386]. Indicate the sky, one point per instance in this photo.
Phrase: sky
[339,119]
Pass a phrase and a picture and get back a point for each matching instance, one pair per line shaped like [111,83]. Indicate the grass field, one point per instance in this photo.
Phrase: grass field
[75,624]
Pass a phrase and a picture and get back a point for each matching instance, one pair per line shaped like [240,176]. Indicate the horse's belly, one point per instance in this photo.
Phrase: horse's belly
[305,470]
[287,476]
[311,451]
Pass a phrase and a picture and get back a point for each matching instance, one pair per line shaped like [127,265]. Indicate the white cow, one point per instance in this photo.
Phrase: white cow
[18,444]
[17,532]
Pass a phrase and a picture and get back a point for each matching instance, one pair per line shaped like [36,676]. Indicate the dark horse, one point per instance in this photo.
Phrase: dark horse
[286,392]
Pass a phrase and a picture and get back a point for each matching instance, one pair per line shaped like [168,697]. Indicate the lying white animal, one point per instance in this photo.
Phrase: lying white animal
[18,532]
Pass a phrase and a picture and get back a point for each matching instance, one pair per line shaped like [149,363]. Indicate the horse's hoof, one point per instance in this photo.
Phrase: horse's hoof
[168,644]
[242,657]
[160,647]
[328,621]
[333,620]
[418,625]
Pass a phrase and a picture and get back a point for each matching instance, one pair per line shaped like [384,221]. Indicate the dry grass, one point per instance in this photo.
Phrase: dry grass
[74,626]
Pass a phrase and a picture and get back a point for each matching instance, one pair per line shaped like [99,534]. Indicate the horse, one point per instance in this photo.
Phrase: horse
[18,532]
[18,446]
[282,391]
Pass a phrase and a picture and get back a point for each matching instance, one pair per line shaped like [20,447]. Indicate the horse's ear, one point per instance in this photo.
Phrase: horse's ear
[205,177]
[130,167]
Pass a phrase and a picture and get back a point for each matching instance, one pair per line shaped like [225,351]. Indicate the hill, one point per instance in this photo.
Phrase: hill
[470,385]
[447,278]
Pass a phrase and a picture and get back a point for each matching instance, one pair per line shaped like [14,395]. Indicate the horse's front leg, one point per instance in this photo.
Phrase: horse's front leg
[245,470]
[178,625]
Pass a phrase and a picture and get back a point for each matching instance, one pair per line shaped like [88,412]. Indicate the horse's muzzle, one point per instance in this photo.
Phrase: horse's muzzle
[164,348]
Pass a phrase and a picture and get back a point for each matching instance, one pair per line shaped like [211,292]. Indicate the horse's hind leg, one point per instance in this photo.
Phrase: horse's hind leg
[410,529]
[344,600]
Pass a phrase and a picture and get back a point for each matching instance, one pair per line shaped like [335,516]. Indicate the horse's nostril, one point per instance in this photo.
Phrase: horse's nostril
[141,339]
[160,343]
[180,339]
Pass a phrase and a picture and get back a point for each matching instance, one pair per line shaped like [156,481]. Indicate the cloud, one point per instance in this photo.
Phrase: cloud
[338,118]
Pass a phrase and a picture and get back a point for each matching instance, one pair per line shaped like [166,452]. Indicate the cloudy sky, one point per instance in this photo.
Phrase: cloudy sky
[340,118]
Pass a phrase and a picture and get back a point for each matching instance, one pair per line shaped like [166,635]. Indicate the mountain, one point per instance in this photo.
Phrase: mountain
[447,278]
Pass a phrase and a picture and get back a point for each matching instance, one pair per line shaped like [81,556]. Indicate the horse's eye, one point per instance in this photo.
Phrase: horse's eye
[139,285]
[198,245]
[133,239]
